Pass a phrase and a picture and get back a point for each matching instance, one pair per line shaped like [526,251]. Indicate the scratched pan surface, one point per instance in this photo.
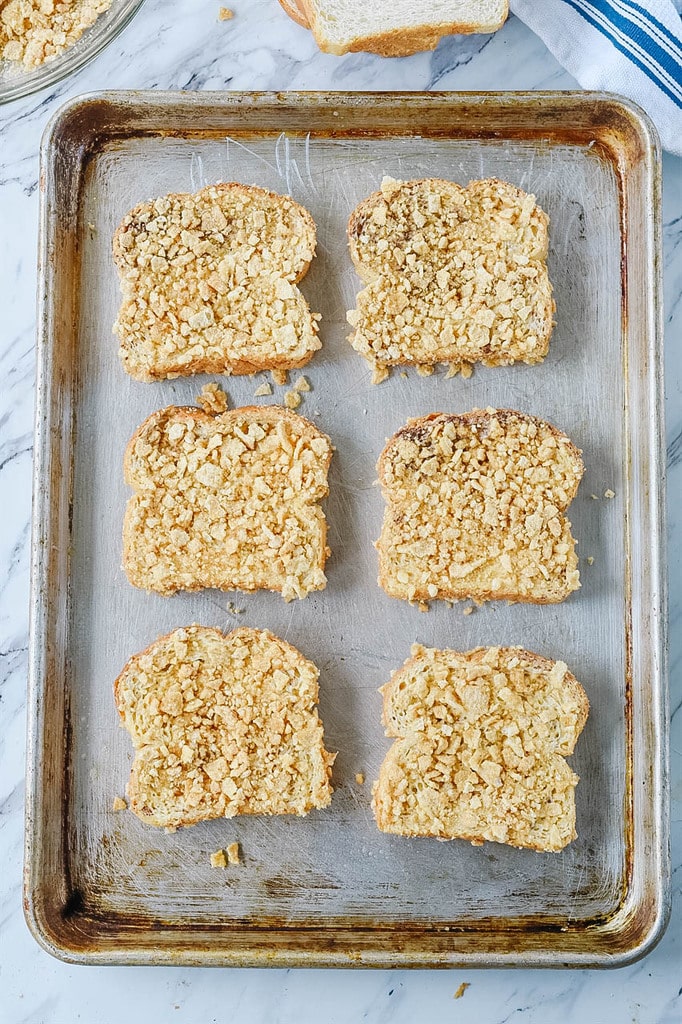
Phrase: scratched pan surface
[330,889]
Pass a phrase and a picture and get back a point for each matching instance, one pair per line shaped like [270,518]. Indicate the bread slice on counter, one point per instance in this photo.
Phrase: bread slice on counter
[393,29]
[475,508]
[222,725]
[209,284]
[228,501]
[481,741]
[454,275]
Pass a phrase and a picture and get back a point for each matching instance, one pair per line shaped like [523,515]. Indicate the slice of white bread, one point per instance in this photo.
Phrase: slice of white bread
[208,283]
[394,29]
[454,275]
[481,742]
[475,509]
[295,12]
[222,725]
[228,501]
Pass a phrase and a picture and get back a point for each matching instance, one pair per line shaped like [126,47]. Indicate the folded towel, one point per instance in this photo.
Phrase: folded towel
[632,48]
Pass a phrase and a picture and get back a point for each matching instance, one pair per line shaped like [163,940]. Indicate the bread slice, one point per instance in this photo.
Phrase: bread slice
[475,509]
[454,275]
[228,501]
[481,742]
[395,29]
[295,12]
[222,725]
[209,284]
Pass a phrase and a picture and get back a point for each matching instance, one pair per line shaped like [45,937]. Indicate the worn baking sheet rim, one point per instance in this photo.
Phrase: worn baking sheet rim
[338,952]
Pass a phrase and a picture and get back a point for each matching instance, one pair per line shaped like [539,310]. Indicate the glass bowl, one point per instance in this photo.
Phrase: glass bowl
[17,81]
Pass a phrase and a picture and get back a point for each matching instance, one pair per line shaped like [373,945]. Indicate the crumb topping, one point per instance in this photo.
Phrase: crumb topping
[480,754]
[35,31]
[475,509]
[223,726]
[453,275]
[208,283]
[212,399]
[229,501]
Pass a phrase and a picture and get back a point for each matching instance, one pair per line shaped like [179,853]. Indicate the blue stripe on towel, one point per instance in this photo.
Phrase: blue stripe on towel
[593,15]
[663,29]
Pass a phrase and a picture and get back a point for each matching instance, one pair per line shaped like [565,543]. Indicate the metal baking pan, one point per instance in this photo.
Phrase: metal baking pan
[100,886]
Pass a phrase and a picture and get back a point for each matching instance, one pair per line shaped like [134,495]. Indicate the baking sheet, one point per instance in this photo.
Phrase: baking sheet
[330,888]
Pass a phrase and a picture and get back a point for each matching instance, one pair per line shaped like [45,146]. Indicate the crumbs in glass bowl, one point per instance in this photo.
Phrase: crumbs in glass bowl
[34,31]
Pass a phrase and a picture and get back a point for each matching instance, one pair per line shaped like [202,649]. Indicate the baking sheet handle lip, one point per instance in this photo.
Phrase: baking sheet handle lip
[506,100]
[35,838]
[658,515]
[38,583]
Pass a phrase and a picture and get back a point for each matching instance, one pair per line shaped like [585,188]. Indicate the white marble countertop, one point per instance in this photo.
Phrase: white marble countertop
[182,45]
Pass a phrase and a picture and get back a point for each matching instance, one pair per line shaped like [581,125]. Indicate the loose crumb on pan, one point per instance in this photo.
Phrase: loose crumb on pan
[590,559]
[360,778]
[233,610]
[609,493]
[464,369]
[468,610]
[232,852]
[461,990]
[35,31]
[119,804]
[302,384]
[225,14]
[292,399]
[263,389]
[280,377]
[213,399]
[218,859]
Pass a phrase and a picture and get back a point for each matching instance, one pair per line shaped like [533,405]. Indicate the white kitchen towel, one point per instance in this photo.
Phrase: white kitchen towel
[632,48]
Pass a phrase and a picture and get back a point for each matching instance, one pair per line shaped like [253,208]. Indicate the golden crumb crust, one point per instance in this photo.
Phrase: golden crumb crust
[209,283]
[481,741]
[228,501]
[453,275]
[475,509]
[221,726]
